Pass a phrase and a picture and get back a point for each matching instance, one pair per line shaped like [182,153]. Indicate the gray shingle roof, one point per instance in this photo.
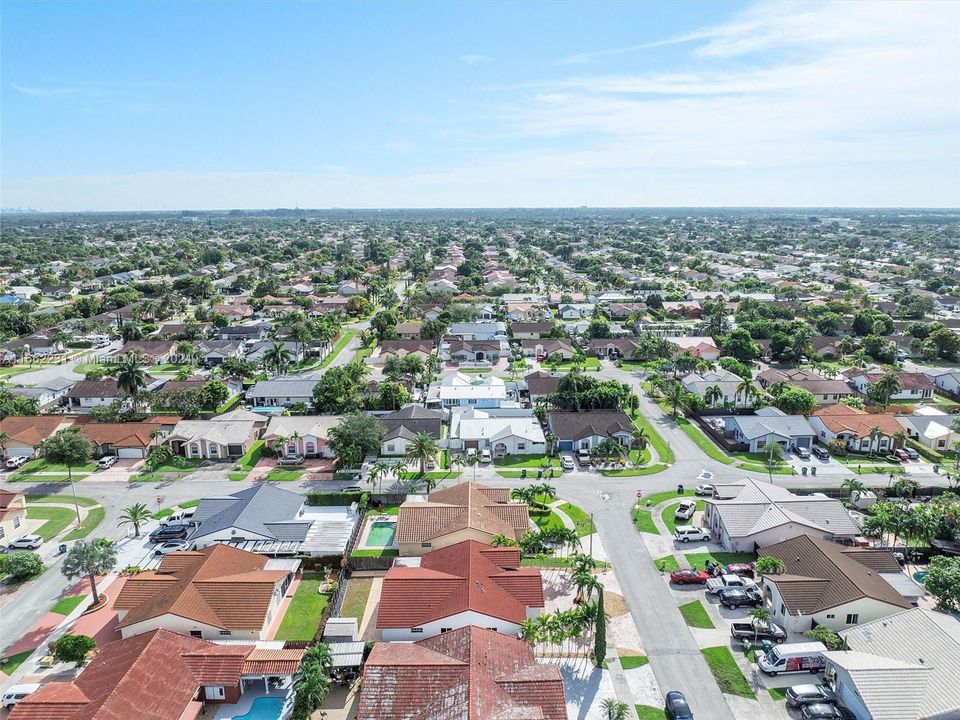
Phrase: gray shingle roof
[256,510]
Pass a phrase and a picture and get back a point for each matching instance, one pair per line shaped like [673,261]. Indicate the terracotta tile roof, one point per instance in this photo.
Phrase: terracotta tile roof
[454,579]
[30,429]
[220,585]
[467,505]
[859,423]
[820,575]
[272,662]
[146,677]
[465,674]
[119,434]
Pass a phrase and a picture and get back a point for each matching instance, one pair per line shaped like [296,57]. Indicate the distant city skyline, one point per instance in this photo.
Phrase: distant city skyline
[166,106]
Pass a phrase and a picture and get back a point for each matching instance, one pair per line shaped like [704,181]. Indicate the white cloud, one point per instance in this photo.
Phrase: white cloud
[37,91]
[475,59]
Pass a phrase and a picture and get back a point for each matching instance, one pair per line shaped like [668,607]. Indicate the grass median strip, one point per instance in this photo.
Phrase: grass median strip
[66,499]
[703,442]
[726,672]
[646,712]
[696,615]
[580,519]
[67,605]
[643,522]
[94,517]
[663,450]
[630,662]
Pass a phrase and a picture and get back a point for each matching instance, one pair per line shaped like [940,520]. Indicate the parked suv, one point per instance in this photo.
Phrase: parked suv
[107,462]
[15,462]
[171,532]
[26,542]
[802,453]
[820,452]
[686,534]
[583,457]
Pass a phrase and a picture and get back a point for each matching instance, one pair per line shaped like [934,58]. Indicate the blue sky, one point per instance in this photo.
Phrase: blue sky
[130,106]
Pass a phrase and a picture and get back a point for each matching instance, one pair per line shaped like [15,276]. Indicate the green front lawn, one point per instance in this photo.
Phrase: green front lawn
[590,363]
[643,522]
[726,671]
[251,457]
[758,458]
[526,461]
[355,598]
[696,615]
[665,453]
[699,559]
[550,561]
[282,475]
[630,662]
[12,662]
[433,475]
[778,693]
[228,404]
[61,500]
[667,564]
[90,522]
[546,519]
[703,442]
[580,519]
[660,497]
[168,368]
[41,465]
[303,616]
[67,605]
[635,472]
[667,514]
[57,519]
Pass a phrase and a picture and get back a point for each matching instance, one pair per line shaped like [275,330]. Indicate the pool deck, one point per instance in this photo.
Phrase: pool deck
[364,541]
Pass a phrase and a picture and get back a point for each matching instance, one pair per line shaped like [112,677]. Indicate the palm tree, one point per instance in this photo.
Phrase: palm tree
[502,541]
[456,462]
[712,395]
[544,492]
[614,709]
[886,386]
[675,393]
[89,559]
[378,471]
[3,444]
[131,377]
[769,565]
[135,515]
[586,584]
[639,437]
[875,434]
[747,390]
[760,617]
[473,461]
[422,449]
[530,631]
[278,357]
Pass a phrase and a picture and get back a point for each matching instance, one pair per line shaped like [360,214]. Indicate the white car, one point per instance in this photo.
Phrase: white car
[567,463]
[17,693]
[27,542]
[485,456]
[685,510]
[706,489]
[688,533]
[15,462]
[171,546]
[107,462]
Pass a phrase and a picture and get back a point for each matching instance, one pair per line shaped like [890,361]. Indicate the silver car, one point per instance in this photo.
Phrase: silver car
[798,695]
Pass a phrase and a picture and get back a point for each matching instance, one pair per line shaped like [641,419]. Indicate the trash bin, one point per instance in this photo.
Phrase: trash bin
[813,471]
[523,473]
[803,470]
[62,549]
[936,468]
[679,489]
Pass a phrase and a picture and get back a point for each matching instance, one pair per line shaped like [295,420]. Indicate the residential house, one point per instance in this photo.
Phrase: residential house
[242,333]
[403,425]
[585,430]
[467,511]
[493,331]
[460,390]
[540,384]
[683,308]
[622,311]
[212,439]
[513,431]
[235,312]
[702,347]
[282,392]
[443,285]
[856,428]
[151,352]
[613,347]
[726,382]
[526,312]
[13,516]
[214,593]
[530,330]
[576,311]
[408,330]
[826,583]
[932,428]
[541,349]
[824,390]
[465,673]
[39,344]
[474,350]
[401,348]
[468,583]
[160,675]
[304,435]
[947,380]
[913,386]
[766,424]
[900,667]
[47,394]
[746,514]
[256,351]
[26,432]
[88,394]
[23,292]
[351,288]
[127,440]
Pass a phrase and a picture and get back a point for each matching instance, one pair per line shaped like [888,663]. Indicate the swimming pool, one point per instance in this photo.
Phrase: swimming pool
[381,534]
[263,708]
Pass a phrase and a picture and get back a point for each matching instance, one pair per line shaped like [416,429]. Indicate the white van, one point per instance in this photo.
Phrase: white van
[793,657]
[17,693]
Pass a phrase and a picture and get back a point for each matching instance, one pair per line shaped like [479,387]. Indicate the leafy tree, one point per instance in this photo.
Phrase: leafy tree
[135,515]
[736,367]
[74,648]
[769,565]
[356,436]
[24,565]
[739,345]
[214,394]
[796,401]
[89,559]
[67,447]
[943,581]
[854,402]
[821,633]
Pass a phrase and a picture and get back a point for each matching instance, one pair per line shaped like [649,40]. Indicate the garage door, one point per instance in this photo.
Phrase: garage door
[130,453]
[803,442]
[566,445]
[20,452]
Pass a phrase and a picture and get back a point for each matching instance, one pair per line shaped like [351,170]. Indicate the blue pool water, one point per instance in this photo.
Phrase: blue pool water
[263,708]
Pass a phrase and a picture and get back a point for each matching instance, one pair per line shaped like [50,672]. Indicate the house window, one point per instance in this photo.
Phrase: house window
[521,446]
[416,630]
[426,545]
[831,616]
[390,447]
[196,633]
[16,522]
[2,533]
[226,632]
[492,628]
[941,443]
[445,630]
[853,618]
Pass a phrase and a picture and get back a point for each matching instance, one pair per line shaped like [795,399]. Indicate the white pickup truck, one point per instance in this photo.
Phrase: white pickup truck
[715,585]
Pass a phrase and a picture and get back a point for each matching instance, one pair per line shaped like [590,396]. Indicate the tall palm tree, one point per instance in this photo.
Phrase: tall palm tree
[586,585]
[852,485]
[278,357]
[3,444]
[613,709]
[422,449]
[378,471]
[875,434]
[760,618]
[675,393]
[886,386]
[131,377]
[747,390]
[712,395]
[89,559]
[135,515]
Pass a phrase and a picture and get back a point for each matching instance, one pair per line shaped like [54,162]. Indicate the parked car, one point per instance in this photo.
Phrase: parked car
[798,695]
[716,584]
[802,453]
[902,454]
[485,456]
[107,462]
[820,452]
[171,546]
[352,489]
[793,657]
[689,576]
[567,463]
[740,597]
[753,631]
[583,457]
[172,532]
[15,462]
[17,693]
[688,533]
[676,707]
[685,510]
[26,542]
[912,454]
[290,460]
[741,569]
[825,711]
[705,490]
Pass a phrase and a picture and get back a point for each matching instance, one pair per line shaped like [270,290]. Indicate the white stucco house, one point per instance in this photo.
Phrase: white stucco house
[514,431]
[304,435]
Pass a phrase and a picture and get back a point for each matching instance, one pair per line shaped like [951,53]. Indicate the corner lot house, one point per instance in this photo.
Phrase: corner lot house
[467,511]
[13,516]
[25,433]
[853,426]
[457,586]
[826,583]
[585,430]
[212,439]
[747,514]
[824,390]
[302,434]
[902,667]
[453,674]
[501,431]
[724,380]
[766,424]
[913,386]
[159,675]
[282,392]
[935,429]
[215,593]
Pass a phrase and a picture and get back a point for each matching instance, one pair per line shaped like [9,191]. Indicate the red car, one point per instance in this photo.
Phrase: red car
[741,569]
[689,576]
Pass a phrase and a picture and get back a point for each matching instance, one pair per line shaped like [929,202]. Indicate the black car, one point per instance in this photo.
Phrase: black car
[170,532]
[820,452]
[825,711]
[738,597]
[676,707]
